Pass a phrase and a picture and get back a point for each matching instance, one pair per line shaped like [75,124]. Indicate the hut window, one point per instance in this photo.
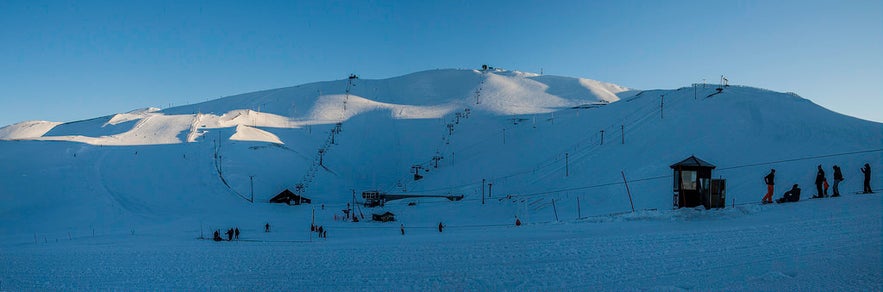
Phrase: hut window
[688,180]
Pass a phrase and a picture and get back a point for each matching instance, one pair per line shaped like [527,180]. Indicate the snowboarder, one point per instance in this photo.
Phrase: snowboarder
[236,233]
[267,227]
[792,195]
[820,179]
[402,228]
[838,177]
[769,179]
[867,171]
[440,227]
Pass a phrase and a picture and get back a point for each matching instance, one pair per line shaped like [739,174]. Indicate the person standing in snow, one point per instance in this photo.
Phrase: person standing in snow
[838,177]
[769,179]
[236,233]
[867,171]
[440,227]
[230,234]
[267,227]
[820,179]
[402,228]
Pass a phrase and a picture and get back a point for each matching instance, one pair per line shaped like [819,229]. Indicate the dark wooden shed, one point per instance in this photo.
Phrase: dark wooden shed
[288,197]
[385,217]
[693,185]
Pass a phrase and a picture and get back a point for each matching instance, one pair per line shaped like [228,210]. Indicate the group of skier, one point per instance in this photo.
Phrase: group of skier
[793,195]
[232,233]
[323,233]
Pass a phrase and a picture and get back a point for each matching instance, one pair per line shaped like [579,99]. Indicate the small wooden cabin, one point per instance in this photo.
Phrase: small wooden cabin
[288,197]
[385,217]
[693,185]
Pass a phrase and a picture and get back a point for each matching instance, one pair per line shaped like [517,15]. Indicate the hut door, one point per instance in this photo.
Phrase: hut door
[704,193]
[677,190]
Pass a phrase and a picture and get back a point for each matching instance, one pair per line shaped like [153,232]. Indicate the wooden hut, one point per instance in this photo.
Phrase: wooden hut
[693,185]
[385,217]
[288,197]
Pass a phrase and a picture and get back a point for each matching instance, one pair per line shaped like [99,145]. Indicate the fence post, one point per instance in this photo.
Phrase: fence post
[628,191]
[555,209]
[579,213]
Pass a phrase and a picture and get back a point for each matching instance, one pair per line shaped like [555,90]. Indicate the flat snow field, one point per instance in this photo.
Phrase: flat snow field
[827,244]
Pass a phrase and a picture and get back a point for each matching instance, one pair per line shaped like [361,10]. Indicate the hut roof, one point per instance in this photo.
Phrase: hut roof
[693,161]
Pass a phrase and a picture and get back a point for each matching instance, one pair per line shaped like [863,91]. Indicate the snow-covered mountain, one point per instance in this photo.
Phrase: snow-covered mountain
[551,147]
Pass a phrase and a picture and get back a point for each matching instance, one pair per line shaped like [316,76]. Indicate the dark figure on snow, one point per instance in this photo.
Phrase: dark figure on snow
[440,227]
[770,180]
[820,180]
[792,195]
[217,236]
[236,233]
[838,177]
[867,171]
[325,234]
[321,230]
[402,228]
[230,234]
[267,227]
[517,222]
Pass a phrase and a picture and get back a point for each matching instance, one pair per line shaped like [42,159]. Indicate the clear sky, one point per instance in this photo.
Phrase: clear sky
[72,60]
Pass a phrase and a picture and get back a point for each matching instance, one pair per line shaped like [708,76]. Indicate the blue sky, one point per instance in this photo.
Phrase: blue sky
[66,61]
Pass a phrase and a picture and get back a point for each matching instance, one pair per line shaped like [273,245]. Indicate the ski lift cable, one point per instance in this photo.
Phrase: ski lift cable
[555,160]
[722,168]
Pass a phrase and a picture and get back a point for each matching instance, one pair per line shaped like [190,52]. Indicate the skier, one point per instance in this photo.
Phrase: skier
[267,227]
[820,179]
[402,228]
[769,179]
[440,227]
[236,233]
[838,177]
[792,195]
[867,171]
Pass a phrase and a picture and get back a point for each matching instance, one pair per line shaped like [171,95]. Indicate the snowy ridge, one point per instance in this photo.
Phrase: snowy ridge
[515,93]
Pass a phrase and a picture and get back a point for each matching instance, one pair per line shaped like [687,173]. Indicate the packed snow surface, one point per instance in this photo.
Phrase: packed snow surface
[119,202]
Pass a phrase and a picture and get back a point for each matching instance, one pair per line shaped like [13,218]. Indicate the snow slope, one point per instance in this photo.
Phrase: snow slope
[160,176]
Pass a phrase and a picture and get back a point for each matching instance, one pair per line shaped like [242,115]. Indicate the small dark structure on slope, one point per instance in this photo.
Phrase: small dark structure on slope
[288,197]
[385,217]
[693,185]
